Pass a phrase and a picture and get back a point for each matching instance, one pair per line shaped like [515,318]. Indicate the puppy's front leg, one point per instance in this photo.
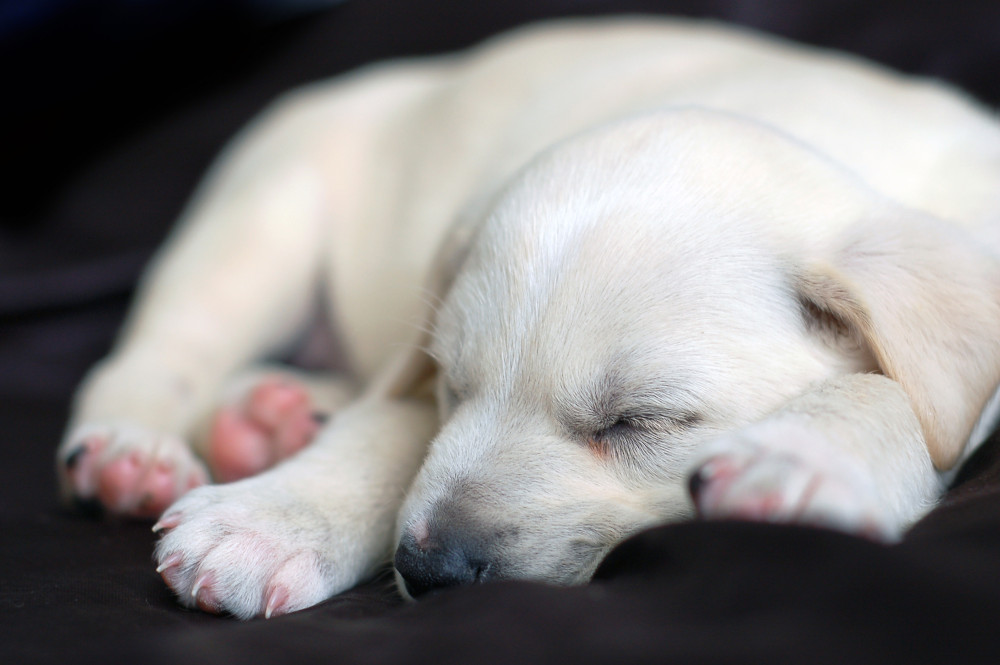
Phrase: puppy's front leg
[309,528]
[849,454]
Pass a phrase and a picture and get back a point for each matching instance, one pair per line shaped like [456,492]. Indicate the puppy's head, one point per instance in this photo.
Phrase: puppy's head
[632,293]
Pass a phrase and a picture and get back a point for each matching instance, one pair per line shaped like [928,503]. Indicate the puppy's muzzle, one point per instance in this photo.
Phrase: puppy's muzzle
[440,561]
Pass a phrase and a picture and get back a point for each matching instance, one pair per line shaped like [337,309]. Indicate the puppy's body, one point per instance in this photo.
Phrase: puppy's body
[652,248]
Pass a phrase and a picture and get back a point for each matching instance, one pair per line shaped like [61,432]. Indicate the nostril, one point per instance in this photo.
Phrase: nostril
[482,573]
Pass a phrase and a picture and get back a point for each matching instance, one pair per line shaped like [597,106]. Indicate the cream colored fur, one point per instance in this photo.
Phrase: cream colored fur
[636,250]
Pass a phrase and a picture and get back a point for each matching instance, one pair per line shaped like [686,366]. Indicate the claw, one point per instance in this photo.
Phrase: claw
[167,522]
[275,600]
[74,457]
[203,594]
[697,482]
[171,561]
[198,584]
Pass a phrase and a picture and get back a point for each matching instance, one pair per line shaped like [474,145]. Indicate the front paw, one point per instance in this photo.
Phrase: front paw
[249,549]
[127,469]
[792,478]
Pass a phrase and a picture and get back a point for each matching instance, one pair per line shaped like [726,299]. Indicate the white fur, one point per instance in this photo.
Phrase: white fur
[725,240]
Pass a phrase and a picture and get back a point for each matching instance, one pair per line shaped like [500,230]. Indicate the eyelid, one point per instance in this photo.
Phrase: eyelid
[650,421]
[624,435]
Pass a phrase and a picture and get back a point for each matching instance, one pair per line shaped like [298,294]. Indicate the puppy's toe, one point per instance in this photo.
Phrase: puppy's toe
[227,549]
[273,421]
[237,447]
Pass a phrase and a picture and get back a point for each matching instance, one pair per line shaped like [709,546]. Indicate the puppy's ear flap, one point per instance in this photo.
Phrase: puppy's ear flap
[925,300]
[411,372]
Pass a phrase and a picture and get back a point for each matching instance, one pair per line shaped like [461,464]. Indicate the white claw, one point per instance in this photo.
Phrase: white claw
[198,584]
[167,522]
[171,561]
[274,599]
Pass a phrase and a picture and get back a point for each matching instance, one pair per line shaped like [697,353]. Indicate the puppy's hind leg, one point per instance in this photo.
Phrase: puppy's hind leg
[233,284]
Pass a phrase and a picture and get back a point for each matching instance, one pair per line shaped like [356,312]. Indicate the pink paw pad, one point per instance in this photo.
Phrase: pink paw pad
[273,422]
[131,482]
[118,479]
[724,486]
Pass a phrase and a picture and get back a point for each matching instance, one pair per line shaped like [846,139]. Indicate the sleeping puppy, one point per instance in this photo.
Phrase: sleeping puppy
[587,278]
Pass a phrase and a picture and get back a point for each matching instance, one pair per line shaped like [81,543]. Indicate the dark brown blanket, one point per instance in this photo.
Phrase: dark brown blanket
[109,118]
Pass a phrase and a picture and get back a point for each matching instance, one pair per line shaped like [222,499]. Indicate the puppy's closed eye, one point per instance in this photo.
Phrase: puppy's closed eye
[625,434]
[621,426]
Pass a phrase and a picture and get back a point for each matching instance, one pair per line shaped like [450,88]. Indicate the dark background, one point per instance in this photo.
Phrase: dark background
[111,111]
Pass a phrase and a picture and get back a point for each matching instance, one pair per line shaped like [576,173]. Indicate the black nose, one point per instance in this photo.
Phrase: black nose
[440,564]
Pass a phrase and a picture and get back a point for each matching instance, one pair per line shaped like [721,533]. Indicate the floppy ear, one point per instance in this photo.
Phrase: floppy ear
[411,372]
[925,300]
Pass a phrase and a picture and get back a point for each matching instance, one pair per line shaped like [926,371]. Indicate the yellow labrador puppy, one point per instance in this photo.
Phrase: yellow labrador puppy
[650,268]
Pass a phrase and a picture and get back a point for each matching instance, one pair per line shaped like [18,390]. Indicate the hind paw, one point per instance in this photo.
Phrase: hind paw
[126,469]
[272,422]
